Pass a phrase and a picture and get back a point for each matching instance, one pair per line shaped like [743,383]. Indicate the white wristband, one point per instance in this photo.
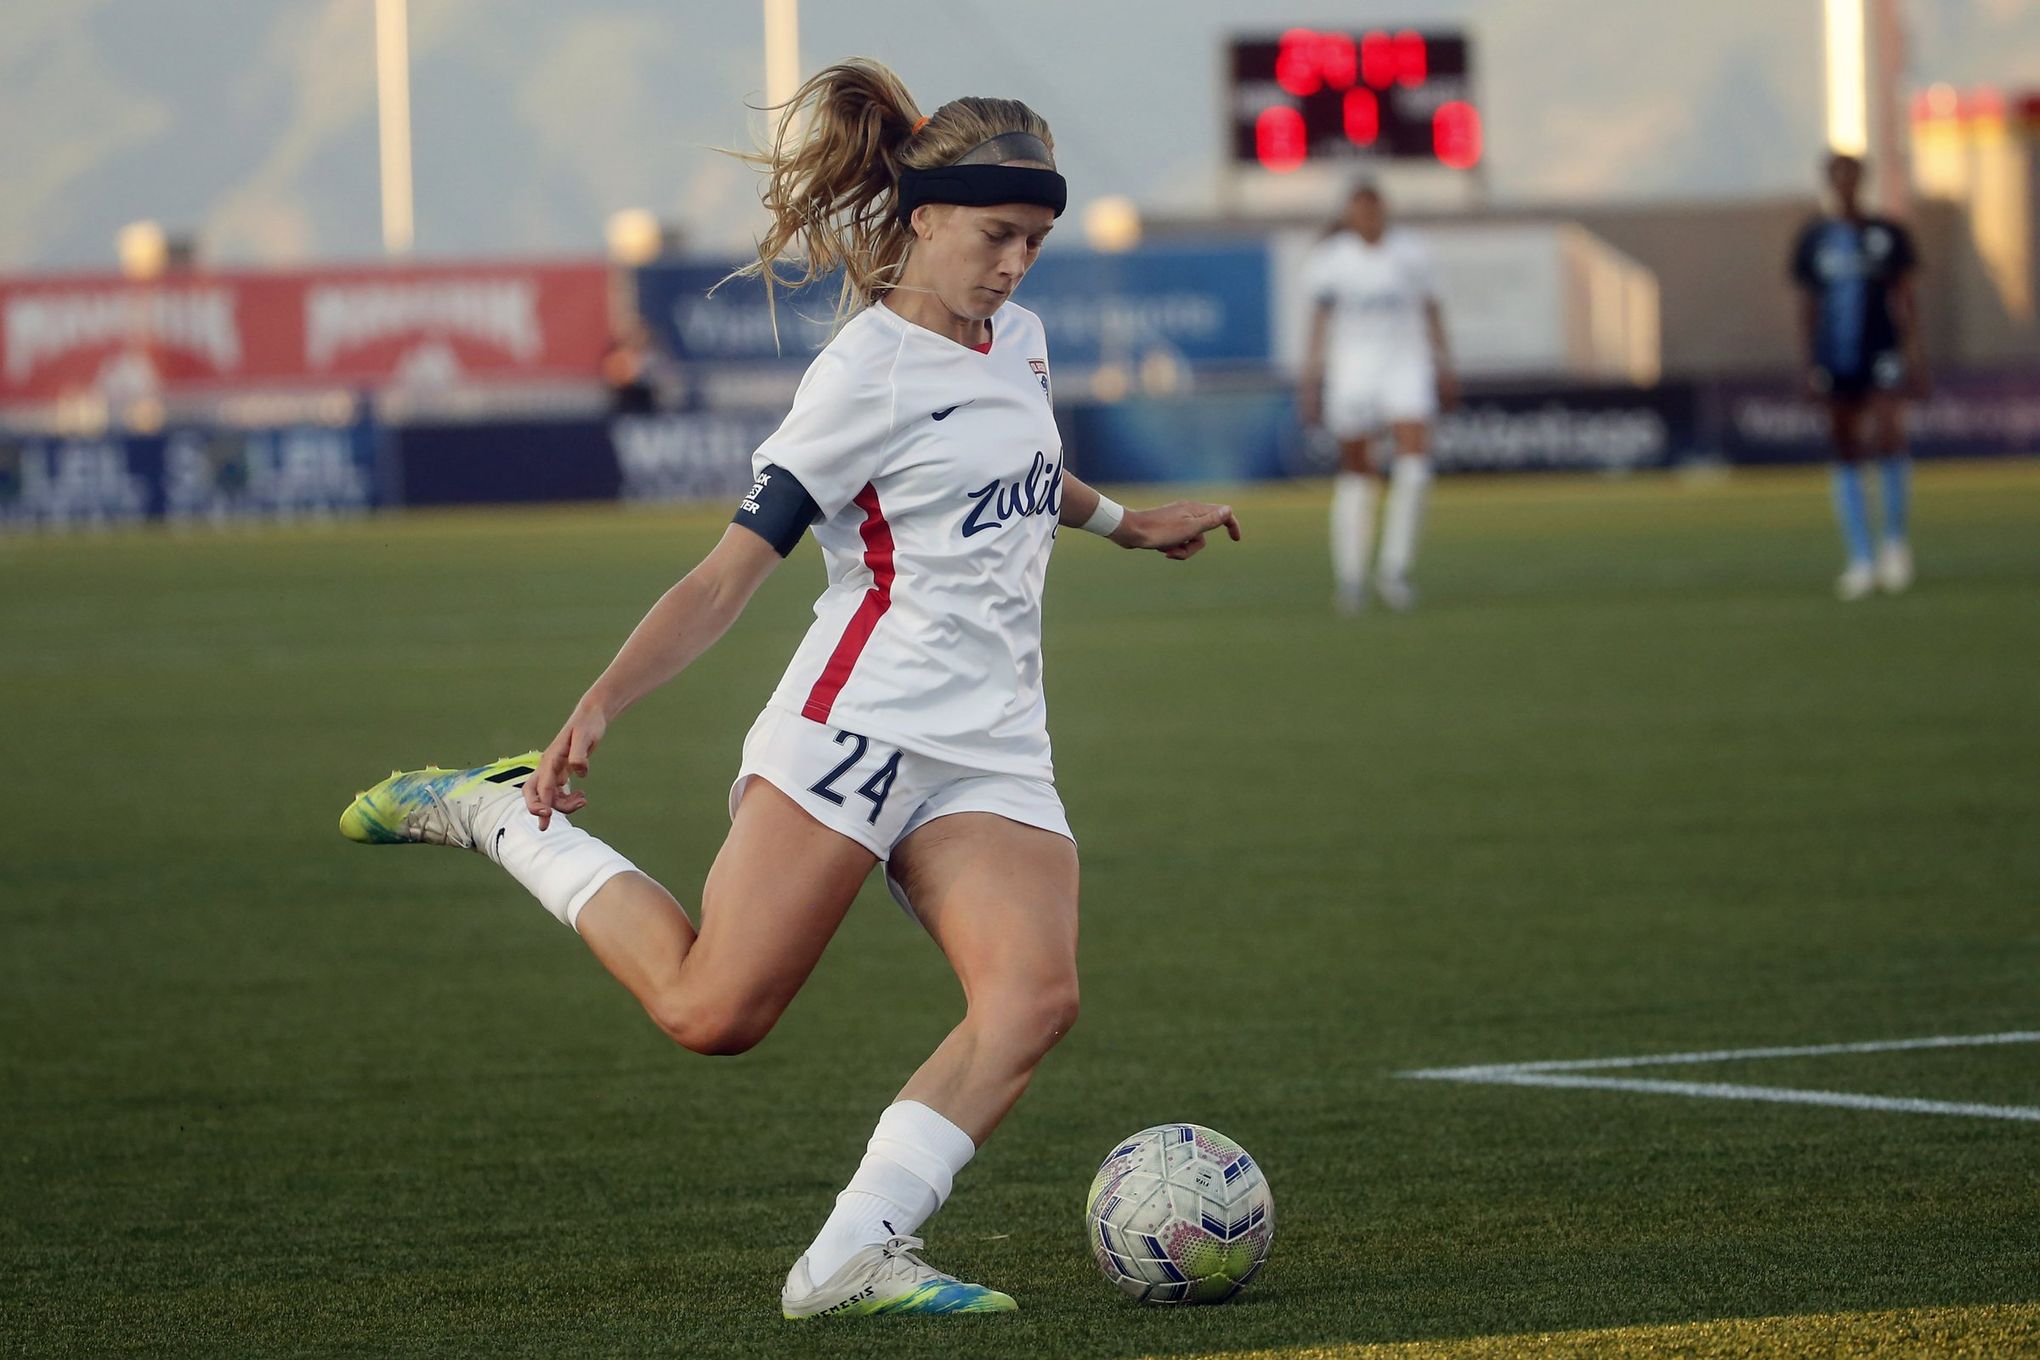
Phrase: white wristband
[1105,519]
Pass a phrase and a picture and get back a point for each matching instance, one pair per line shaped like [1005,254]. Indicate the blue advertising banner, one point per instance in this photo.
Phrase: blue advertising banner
[1253,436]
[682,456]
[1202,304]
[1229,437]
[188,476]
[1974,413]
[508,462]
[694,456]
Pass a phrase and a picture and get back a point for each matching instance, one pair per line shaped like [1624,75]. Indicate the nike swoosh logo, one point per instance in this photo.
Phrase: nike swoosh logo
[501,831]
[946,411]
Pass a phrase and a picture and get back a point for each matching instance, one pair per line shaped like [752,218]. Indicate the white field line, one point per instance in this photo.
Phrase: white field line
[1571,1073]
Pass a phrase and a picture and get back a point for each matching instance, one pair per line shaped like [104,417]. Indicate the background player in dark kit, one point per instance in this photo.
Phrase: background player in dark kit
[1858,318]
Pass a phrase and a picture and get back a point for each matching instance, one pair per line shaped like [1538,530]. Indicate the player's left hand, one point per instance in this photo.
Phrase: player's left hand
[1175,530]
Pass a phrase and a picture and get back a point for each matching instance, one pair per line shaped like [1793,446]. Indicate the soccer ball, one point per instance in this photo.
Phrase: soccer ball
[1180,1214]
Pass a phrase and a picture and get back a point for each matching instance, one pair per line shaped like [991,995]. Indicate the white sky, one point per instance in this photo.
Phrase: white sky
[252,121]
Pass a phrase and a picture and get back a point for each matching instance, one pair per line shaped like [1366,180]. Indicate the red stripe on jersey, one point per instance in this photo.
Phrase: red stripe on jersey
[878,560]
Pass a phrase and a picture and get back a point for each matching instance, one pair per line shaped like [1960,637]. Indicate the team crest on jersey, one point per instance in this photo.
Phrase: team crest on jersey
[1040,367]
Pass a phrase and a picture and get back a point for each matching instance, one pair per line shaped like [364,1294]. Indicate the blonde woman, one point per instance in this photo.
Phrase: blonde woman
[910,727]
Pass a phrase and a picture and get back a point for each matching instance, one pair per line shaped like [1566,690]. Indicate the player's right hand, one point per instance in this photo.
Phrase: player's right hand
[547,791]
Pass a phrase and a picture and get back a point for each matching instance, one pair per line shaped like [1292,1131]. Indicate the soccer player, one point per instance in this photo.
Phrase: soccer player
[1858,318]
[910,727]
[1377,359]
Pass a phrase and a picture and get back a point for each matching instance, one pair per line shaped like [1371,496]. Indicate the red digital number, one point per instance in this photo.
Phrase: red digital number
[1279,139]
[1455,134]
[1412,58]
[1296,63]
[1338,61]
[1307,61]
[1402,58]
[1363,117]
[1377,60]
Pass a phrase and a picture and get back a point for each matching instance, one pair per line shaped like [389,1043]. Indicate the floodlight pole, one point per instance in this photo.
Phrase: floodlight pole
[393,119]
[782,50]
[1848,76]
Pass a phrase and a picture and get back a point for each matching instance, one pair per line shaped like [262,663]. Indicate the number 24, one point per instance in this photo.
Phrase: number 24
[873,790]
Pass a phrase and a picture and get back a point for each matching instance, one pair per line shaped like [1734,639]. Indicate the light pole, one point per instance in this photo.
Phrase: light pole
[1848,78]
[782,50]
[393,120]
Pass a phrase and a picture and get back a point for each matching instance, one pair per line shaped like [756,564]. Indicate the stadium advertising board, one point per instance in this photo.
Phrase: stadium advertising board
[446,325]
[189,476]
[1613,429]
[1253,436]
[1202,304]
[1968,414]
[703,455]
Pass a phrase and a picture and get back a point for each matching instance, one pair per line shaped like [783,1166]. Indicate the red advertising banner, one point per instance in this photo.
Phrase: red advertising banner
[425,325]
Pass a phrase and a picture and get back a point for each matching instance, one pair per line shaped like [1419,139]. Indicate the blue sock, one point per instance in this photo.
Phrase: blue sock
[1897,474]
[1853,512]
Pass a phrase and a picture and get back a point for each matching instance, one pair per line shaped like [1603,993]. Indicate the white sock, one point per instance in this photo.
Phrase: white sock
[1409,483]
[908,1167]
[562,866]
[1352,528]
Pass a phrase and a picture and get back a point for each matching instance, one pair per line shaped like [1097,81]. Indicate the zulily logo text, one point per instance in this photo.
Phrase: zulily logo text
[1037,493]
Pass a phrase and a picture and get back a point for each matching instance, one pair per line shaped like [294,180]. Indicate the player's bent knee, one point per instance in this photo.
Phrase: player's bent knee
[712,1028]
[1038,1018]
[1060,1015]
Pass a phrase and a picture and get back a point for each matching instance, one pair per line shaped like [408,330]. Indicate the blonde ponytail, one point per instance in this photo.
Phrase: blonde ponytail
[832,175]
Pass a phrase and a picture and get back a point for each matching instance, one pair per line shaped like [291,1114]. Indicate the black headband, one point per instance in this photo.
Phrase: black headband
[981,186]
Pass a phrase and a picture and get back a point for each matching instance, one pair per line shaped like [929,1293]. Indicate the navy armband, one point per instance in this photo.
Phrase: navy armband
[777,508]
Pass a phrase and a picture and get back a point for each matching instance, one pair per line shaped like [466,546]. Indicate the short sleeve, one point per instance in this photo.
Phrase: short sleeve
[1800,267]
[834,438]
[1904,259]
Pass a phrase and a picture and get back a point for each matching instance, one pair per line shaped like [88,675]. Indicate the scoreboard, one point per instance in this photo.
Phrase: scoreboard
[1318,96]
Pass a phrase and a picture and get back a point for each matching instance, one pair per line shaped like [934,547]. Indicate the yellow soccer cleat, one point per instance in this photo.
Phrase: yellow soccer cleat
[434,806]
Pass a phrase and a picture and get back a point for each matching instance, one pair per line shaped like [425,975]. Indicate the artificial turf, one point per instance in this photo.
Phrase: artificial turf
[1630,781]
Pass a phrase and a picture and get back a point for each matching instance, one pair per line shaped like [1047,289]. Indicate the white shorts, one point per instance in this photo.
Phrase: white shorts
[1364,396]
[878,794]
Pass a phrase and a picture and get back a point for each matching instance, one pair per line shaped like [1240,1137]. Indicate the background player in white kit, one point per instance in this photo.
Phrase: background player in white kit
[910,727]
[1376,360]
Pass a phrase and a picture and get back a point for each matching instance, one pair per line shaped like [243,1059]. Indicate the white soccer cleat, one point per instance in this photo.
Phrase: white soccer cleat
[1855,583]
[1350,599]
[437,807]
[1895,567]
[1397,593]
[886,1278]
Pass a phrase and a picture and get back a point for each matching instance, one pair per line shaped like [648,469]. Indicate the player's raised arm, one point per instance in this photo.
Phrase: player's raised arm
[1175,530]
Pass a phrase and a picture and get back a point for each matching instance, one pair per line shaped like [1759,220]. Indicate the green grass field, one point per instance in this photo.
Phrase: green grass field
[1631,782]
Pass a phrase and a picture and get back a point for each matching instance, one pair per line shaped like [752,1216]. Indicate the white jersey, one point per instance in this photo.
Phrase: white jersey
[938,473]
[1377,294]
